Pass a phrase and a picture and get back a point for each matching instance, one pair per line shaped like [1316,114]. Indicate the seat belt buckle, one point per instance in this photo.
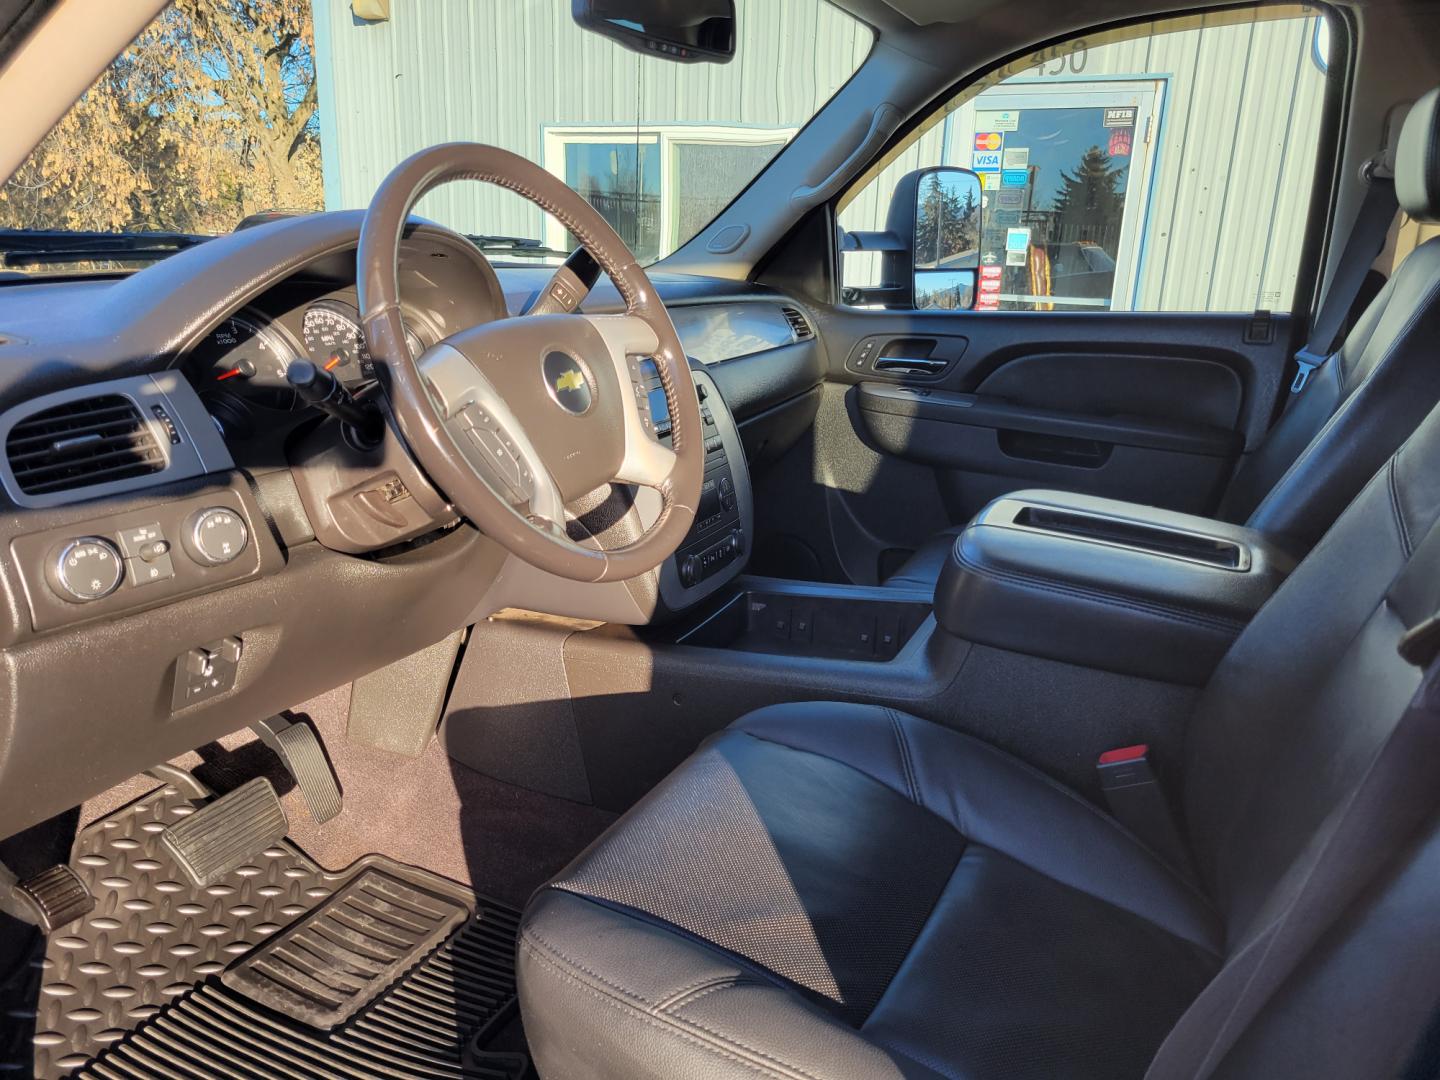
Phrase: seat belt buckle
[1307,362]
[1135,799]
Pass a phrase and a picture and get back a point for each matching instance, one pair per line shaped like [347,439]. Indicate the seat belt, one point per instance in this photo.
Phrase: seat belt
[1362,248]
[1394,798]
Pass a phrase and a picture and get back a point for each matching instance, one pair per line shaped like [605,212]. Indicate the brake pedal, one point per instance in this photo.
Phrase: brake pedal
[300,752]
[50,899]
[228,832]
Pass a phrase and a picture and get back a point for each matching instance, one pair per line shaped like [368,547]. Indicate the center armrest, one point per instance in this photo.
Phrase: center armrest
[1106,584]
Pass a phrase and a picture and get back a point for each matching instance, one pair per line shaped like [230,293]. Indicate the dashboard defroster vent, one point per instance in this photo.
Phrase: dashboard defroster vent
[798,323]
[81,443]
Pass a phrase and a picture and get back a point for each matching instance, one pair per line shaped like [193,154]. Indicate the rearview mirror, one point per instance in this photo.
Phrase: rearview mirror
[686,31]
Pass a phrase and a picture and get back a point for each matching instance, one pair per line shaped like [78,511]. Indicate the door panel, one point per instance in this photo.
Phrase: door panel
[1150,407]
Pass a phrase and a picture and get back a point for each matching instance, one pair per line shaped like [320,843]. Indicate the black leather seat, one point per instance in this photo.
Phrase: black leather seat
[1356,408]
[844,891]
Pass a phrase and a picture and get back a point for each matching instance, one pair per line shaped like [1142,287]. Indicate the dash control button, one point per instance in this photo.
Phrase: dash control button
[135,540]
[215,536]
[87,569]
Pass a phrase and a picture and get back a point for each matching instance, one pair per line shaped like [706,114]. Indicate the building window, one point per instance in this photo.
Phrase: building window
[660,184]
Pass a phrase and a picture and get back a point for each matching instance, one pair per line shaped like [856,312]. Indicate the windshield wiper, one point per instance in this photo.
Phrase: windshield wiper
[39,247]
[522,246]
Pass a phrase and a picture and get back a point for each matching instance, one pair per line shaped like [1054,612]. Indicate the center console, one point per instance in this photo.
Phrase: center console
[1106,584]
[717,545]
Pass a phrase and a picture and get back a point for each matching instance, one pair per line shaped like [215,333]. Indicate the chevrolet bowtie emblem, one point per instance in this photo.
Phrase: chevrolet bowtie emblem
[566,382]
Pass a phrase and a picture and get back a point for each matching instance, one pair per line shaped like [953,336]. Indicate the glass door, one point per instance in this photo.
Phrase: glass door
[1066,167]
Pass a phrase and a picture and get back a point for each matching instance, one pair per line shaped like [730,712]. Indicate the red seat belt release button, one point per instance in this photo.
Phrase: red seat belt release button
[1136,800]
[1125,753]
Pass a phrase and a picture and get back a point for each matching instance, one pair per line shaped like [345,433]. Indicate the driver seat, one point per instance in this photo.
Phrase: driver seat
[844,891]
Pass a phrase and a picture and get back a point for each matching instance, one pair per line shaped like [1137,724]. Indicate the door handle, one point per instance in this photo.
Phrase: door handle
[923,364]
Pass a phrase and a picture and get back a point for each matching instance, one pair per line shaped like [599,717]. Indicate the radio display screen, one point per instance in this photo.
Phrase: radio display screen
[659,408]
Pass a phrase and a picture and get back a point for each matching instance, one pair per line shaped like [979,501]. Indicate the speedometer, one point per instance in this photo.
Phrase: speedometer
[335,342]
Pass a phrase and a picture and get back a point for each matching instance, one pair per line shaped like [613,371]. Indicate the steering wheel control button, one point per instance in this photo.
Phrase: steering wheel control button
[567,383]
[215,536]
[88,568]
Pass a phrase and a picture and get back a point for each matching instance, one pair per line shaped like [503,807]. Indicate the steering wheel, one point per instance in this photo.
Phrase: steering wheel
[515,418]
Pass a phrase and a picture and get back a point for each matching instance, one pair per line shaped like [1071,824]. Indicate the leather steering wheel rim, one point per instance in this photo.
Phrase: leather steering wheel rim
[444,409]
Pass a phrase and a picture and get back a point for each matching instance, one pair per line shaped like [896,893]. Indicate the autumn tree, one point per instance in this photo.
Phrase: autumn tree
[208,116]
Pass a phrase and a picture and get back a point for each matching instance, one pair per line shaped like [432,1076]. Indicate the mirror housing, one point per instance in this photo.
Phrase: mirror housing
[936,215]
[684,31]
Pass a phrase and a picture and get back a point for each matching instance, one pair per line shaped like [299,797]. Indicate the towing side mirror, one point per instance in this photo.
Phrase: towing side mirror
[930,249]
[942,207]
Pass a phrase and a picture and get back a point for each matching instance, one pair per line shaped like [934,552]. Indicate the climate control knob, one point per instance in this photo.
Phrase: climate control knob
[215,536]
[87,568]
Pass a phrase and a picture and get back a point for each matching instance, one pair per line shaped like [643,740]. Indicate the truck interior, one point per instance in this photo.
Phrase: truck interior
[823,539]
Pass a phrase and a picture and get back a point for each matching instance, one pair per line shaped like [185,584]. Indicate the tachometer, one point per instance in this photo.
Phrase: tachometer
[248,358]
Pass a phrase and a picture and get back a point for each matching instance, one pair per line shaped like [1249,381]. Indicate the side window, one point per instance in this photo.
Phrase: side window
[1166,166]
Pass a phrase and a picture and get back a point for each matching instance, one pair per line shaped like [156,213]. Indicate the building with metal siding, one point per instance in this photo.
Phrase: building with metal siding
[1220,173]
[509,72]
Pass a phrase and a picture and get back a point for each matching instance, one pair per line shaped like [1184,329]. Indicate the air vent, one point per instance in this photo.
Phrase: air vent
[81,443]
[798,323]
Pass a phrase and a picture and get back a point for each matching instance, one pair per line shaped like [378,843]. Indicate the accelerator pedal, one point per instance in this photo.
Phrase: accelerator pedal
[300,752]
[226,833]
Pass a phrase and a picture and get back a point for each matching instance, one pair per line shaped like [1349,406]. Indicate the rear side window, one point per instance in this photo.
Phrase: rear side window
[1161,167]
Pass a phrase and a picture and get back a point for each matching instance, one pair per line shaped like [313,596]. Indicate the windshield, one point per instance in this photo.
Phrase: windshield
[224,109]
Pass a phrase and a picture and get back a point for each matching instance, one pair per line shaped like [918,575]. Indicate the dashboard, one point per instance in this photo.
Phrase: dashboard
[185,547]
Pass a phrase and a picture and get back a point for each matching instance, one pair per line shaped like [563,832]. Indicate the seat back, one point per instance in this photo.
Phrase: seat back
[1357,408]
[1290,722]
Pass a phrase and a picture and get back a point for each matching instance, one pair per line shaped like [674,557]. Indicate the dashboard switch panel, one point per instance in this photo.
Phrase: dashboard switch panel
[133,554]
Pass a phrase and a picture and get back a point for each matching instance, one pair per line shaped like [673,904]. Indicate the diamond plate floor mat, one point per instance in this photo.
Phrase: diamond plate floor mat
[277,969]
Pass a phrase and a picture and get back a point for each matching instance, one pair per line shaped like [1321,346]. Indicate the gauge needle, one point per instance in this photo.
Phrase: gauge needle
[234,372]
[334,362]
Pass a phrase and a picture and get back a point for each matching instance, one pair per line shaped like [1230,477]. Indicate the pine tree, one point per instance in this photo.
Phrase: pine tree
[944,222]
[1090,201]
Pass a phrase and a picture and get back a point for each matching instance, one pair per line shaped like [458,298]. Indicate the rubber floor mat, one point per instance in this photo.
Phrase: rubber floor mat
[405,968]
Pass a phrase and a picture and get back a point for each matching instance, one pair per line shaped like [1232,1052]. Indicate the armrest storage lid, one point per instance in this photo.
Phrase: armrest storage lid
[1106,584]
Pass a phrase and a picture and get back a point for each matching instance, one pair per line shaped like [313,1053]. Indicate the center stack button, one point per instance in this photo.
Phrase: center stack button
[215,536]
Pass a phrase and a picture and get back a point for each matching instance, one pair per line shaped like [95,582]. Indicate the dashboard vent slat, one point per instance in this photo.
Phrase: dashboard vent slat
[81,443]
[798,323]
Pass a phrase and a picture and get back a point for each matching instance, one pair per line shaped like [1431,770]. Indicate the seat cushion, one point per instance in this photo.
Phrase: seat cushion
[922,569]
[846,891]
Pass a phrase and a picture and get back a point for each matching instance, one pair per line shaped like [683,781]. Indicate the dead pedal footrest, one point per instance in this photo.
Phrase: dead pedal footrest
[228,832]
[300,752]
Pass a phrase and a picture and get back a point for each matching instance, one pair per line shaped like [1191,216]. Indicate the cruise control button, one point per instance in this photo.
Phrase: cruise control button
[493,447]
